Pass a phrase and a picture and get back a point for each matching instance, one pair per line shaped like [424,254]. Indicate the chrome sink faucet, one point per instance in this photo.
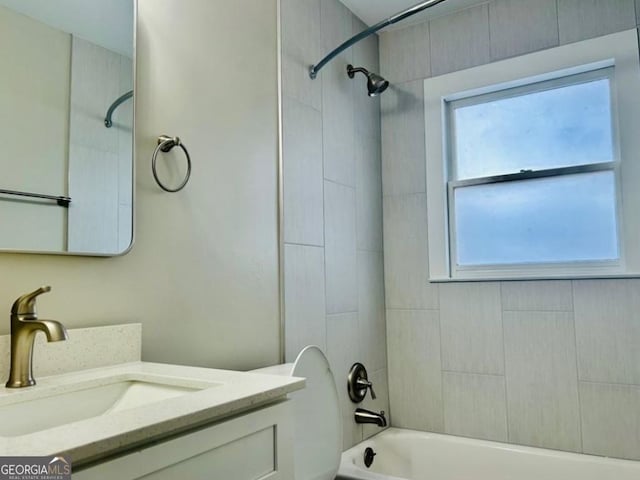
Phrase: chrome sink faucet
[24,326]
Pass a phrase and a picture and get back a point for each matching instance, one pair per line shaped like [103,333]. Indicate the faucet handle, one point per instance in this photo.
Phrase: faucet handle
[366,384]
[358,383]
[26,304]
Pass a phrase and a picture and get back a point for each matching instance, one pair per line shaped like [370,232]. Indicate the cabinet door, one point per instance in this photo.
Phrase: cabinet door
[255,446]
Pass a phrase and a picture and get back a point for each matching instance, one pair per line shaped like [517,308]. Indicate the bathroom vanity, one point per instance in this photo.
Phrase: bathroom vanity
[148,420]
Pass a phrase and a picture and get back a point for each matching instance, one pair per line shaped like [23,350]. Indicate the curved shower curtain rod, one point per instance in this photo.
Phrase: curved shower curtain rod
[123,98]
[398,17]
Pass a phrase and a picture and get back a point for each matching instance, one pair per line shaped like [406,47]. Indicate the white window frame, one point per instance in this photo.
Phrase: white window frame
[618,51]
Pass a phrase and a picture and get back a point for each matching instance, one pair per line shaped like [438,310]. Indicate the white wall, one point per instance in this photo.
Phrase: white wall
[203,274]
[553,364]
[34,119]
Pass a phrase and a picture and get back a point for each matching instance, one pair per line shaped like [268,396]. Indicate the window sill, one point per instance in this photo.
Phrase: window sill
[515,278]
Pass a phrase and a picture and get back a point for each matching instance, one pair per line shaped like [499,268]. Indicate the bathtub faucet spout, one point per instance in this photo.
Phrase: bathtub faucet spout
[367,416]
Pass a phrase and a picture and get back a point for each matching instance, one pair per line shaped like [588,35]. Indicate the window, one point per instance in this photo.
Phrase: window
[529,165]
[532,174]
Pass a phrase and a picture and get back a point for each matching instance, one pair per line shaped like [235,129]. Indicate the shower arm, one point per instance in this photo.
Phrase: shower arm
[398,17]
[108,122]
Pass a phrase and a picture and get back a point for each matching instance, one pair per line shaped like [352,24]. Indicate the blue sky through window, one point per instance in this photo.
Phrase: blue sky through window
[565,126]
[554,219]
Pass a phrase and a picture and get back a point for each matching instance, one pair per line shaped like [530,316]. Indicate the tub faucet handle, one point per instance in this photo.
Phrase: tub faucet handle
[367,384]
[358,383]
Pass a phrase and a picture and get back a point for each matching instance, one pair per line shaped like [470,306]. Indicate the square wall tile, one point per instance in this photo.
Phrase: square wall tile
[582,19]
[301,46]
[611,420]
[341,262]
[371,310]
[369,193]
[406,263]
[548,295]
[415,377]
[342,352]
[475,406]
[302,174]
[304,299]
[471,324]
[403,139]
[460,40]
[608,330]
[522,26]
[542,380]
[404,54]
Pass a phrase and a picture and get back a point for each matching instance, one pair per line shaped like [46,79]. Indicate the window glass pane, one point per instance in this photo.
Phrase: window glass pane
[565,126]
[554,219]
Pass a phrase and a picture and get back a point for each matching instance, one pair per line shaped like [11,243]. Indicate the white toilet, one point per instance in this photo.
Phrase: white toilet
[317,420]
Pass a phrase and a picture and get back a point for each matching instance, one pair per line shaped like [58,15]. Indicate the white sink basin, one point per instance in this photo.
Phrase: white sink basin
[91,414]
[24,415]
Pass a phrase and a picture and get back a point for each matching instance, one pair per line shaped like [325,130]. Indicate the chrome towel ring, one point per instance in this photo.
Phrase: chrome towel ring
[166,144]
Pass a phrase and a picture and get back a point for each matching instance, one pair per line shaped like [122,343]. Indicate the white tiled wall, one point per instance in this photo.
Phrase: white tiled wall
[552,363]
[334,287]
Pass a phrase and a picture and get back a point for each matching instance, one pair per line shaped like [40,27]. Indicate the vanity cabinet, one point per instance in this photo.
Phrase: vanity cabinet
[252,446]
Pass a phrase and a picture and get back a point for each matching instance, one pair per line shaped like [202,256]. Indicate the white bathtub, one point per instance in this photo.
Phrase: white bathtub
[405,454]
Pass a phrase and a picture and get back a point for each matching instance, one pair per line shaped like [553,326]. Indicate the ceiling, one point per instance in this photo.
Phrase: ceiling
[373,11]
[105,23]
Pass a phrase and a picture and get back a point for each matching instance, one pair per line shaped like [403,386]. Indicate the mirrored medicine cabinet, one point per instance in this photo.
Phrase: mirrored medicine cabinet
[66,126]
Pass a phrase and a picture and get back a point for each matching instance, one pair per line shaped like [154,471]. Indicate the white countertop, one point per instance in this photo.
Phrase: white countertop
[91,439]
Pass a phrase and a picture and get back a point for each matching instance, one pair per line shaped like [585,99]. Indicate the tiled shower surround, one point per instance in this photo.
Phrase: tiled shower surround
[552,364]
[334,290]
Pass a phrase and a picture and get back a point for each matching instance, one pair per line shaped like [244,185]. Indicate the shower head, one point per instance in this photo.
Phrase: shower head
[375,83]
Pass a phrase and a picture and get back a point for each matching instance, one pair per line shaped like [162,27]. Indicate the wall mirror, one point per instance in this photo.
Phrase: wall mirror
[66,185]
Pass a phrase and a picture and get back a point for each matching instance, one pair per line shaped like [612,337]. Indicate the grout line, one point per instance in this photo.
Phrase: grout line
[504,359]
[281,226]
[575,339]
[536,310]
[352,187]
[558,22]
[494,375]
[398,309]
[291,98]
[611,384]
[430,59]
[492,56]
[442,371]
[397,195]
[368,250]
[324,203]
[335,314]
[296,244]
